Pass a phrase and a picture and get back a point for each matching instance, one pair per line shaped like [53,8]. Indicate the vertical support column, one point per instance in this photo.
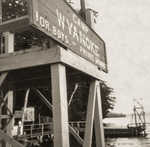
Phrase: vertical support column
[0,12]
[83,9]
[9,48]
[99,130]
[60,105]
[1,50]
[0,118]
[90,115]
[9,42]
[2,79]
[10,106]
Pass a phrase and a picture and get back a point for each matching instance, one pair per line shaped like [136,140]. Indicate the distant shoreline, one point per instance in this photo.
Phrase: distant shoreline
[115,115]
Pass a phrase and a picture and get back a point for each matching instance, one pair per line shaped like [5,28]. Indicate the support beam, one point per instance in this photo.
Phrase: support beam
[43,98]
[3,101]
[10,107]
[50,106]
[79,63]
[2,78]
[0,12]
[99,130]
[75,135]
[9,48]
[25,105]
[60,105]
[28,58]
[90,115]
[7,138]
[9,42]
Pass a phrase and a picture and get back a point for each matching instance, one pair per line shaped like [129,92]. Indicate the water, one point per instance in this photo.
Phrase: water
[128,142]
[131,141]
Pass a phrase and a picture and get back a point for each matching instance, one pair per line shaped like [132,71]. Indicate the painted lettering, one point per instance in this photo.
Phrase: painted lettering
[61,19]
[70,25]
[44,23]
[75,34]
[72,32]
[80,24]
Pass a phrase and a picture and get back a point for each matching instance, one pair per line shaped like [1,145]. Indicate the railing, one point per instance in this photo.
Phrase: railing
[34,130]
[42,129]
[78,124]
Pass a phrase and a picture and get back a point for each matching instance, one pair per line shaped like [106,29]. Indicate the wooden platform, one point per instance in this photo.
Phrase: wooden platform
[28,58]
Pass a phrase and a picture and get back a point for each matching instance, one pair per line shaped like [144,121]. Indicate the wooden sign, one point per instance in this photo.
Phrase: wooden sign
[58,20]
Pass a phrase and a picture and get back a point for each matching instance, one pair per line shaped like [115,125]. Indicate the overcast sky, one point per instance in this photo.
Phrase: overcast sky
[125,27]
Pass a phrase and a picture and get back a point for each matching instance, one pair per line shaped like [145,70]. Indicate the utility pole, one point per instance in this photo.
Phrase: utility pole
[83,9]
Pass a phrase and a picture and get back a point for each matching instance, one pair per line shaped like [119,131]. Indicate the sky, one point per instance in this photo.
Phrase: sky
[124,25]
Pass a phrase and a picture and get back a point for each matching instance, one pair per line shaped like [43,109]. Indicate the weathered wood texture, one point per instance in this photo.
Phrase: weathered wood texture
[9,42]
[60,106]
[3,77]
[79,63]
[29,58]
[15,25]
[9,48]
[98,121]
[63,24]
[37,57]
[75,135]
[0,12]
[90,115]
[10,123]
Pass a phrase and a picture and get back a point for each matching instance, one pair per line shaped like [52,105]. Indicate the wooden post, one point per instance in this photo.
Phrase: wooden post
[9,42]
[3,76]
[0,12]
[11,123]
[1,96]
[90,115]
[90,18]
[83,9]
[1,38]
[99,130]
[9,48]
[60,105]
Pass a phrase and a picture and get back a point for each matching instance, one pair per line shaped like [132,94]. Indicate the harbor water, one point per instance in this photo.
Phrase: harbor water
[130,141]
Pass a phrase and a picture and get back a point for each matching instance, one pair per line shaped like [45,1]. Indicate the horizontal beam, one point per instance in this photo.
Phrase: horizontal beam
[15,25]
[38,56]
[28,58]
[81,64]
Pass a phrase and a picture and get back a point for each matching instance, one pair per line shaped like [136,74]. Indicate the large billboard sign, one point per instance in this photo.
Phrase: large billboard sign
[59,21]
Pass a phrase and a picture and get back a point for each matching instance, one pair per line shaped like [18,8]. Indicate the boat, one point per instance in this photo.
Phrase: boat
[134,129]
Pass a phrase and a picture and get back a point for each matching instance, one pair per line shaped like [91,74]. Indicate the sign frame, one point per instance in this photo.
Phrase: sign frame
[73,34]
